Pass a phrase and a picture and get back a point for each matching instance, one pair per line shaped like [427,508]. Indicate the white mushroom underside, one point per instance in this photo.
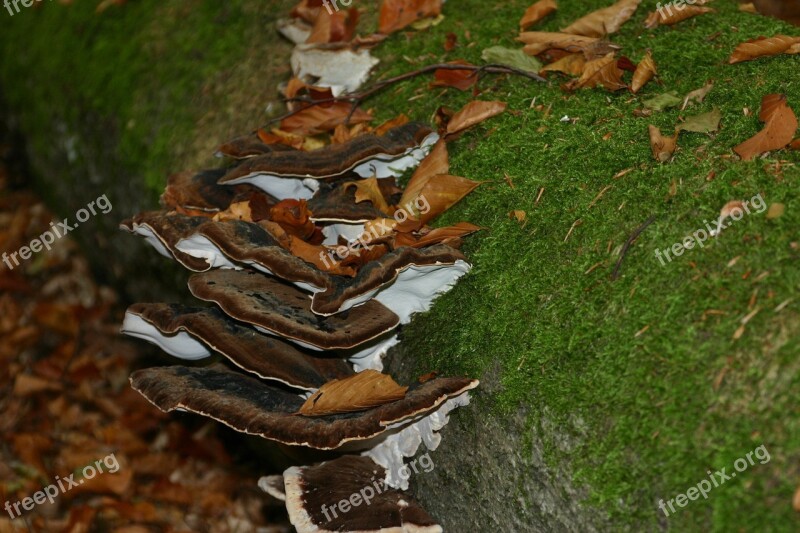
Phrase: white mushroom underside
[372,356]
[201,247]
[151,237]
[348,232]
[391,451]
[181,345]
[414,289]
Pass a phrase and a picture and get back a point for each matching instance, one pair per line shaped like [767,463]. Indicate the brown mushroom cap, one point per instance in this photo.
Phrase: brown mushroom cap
[249,146]
[346,494]
[251,406]
[163,230]
[199,191]
[296,175]
[263,355]
[333,202]
[278,308]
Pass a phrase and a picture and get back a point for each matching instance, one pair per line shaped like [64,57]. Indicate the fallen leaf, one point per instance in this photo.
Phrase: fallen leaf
[294,217]
[458,79]
[334,26]
[369,190]
[775,210]
[779,128]
[604,21]
[436,162]
[537,12]
[571,64]
[748,7]
[518,214]
[645,71]
[368,388]
[537,42]
[663,101]
[399,120]
[662,147]
[762,47]
[698,95]
[704,123]
[424,24]
[397,14]
[473,113]
[439,193]
[321,118]
[511,57]
[451,40]
[603,71]
[674,15]
[425,238]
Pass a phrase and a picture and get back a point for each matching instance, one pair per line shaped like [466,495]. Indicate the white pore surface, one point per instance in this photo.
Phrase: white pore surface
[405,442]
[414,289]
[386,166]
[273,485]
[372,356]
[295,30]
[342,70]
[150,236]
[181,345]
[282,188]
[350,232]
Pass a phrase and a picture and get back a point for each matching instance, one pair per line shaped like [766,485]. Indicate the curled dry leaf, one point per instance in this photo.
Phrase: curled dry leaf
[672,15]
[644,72]
[662,147]
[395,122]
[537,42]
[397,14]
[358,392]
[571,64]
[428,237]
[537,12]
[604,21]
[458,79]
[334,26]
[603,71]
[369,190]
[779,128]
[474,113]
[762,47]
[321,118]
[294,217]
[698,95]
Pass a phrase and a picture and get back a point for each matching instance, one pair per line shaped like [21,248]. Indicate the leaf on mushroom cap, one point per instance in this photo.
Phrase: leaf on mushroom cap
[250,146]
[163,231]
[354,393]
[197,193]
[367,155]
[266,356]
[280,309]
[310,489]
[251,406]
[406,281]
[335,202]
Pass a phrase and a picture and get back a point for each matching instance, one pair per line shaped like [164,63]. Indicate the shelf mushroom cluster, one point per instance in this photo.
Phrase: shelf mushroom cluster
[289,316]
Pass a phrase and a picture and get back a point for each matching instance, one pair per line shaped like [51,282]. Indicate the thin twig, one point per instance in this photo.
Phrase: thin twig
[628,243]
[355,98]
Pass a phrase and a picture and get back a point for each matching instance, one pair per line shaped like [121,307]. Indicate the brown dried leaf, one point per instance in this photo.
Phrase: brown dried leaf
[334,26]
[698,95]
[671,15]
[399,120]
[473,113]
[397,14]
[369,190]
[537,12]
[359,392]
[779,128]
[603,71]
[458,79]
[644,72]
[321,118]
[436,162]
[662,147]
[762,47]
[439,193]
[426,237]
[571,64]
[604,21]
[537,42]
[294,217]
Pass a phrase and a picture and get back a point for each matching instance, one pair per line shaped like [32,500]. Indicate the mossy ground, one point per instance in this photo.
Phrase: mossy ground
[643,370]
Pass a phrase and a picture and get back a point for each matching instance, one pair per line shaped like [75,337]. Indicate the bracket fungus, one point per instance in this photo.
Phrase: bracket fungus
[295,337]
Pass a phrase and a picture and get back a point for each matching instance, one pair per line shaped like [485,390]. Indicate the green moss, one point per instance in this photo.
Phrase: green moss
[564,333]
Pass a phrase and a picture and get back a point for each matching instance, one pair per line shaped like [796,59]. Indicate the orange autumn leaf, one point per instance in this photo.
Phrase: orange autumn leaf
[537,42]
[537,12]
[322,118]
[603,71]
[762,47]
[397,14]
[294,217]
[604,21]
[343,134]
[333,27]
[438,194]
[435,236]
[310,253]
[235,211]
[661,146]
[473,113]
[458,79]
[671,15]
[399,120]
[571,64]
[369,190]
[367,389]
[436,162]
[276,136]
[779,128]
[644,72]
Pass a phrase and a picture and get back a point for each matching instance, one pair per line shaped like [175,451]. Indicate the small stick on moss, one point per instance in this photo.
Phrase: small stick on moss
[357,97]
[633,236]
